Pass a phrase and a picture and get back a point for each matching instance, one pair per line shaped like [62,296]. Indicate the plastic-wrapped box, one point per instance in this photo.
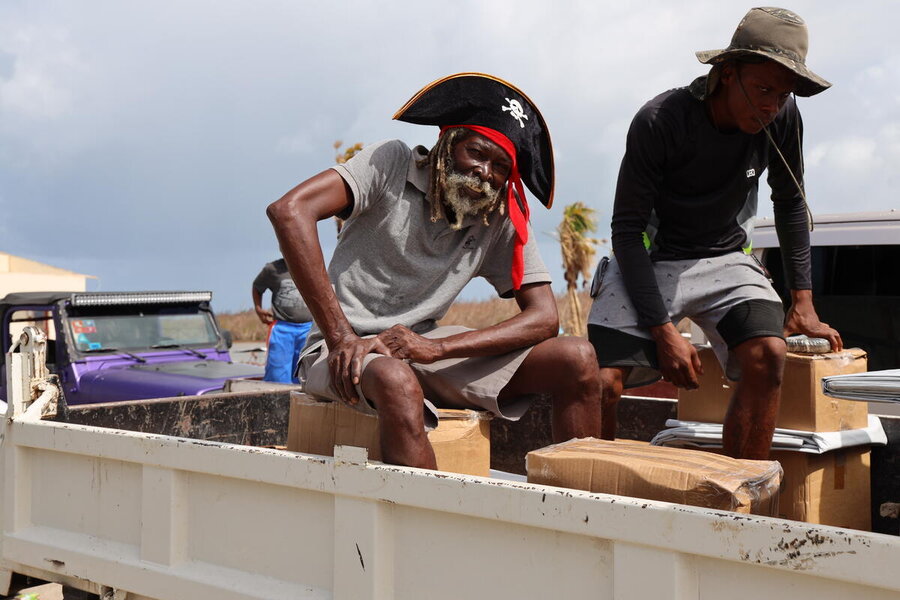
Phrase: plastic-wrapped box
[675,475]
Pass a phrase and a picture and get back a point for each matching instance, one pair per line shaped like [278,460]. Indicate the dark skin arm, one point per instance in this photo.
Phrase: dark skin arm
[294,219]
[264,315]
[802,318]
[679,362]
[537,321]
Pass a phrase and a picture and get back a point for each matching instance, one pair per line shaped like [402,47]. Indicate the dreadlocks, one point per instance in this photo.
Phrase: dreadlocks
[440,159]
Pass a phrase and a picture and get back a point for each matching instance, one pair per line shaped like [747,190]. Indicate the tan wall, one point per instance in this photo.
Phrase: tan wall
[41,282]
[19,274]
[10,263]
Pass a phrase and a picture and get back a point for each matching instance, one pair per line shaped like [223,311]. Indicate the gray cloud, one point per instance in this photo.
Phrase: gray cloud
[144,140]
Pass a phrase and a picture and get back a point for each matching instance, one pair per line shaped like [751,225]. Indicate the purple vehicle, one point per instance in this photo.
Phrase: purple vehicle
[113,346]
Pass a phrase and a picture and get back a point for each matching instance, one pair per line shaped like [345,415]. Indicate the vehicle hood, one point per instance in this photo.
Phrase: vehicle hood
[159,380]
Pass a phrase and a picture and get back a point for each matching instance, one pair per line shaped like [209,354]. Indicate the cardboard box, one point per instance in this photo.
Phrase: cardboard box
[828,489]
[657,473]
[803,405]
[461,441]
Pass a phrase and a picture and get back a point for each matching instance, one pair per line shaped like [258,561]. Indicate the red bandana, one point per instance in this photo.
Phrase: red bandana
[518,214]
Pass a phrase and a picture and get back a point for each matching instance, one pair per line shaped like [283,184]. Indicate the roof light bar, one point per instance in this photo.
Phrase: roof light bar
[125,298]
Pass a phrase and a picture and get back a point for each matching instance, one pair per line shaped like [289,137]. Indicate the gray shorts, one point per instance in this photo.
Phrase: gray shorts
[727,296]
[469,383]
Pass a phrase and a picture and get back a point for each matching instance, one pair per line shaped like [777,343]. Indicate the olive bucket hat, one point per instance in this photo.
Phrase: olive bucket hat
[776,34]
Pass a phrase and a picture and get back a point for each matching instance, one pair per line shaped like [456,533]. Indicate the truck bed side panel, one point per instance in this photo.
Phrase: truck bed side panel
[180,518]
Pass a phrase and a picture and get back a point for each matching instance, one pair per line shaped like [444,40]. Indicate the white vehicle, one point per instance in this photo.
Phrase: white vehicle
[132,515]
[855,262]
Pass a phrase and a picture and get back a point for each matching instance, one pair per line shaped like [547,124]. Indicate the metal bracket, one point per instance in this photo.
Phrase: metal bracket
[32,391]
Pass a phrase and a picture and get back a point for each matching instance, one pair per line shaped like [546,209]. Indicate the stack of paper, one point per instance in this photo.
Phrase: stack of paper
[691,434]
[874,386]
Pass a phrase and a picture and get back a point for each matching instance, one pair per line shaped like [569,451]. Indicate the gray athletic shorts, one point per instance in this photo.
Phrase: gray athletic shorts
[728,296]
[469,383]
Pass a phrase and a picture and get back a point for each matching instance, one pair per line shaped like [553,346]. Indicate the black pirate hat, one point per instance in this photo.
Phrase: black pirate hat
[488,101]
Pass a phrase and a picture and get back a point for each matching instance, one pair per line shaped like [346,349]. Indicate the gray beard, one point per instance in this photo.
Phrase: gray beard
[460,203]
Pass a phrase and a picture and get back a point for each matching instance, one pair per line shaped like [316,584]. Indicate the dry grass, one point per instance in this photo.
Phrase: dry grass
[245,327]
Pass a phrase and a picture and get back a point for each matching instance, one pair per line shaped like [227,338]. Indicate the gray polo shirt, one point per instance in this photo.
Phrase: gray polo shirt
[392,265]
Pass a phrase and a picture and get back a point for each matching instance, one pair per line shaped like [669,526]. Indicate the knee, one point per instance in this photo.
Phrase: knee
[578,357]
[392,385]
[566,358]
[574,364]
[764,360]
[611,386]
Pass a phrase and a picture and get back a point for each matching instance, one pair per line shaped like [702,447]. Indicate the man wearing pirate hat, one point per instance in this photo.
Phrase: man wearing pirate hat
[420,224]
[681,231]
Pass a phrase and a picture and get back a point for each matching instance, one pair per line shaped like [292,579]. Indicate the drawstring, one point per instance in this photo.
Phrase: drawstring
[809,217]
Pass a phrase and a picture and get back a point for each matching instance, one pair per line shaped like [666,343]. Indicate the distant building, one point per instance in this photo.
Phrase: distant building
[19,274]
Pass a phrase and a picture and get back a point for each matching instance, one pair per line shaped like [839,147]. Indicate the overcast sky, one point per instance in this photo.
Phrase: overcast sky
[140,142]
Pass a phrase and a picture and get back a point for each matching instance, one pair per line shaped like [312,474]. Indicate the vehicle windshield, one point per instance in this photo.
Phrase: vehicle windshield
[97,329]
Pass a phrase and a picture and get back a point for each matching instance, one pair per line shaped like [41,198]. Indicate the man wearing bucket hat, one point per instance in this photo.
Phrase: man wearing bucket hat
[681,231]
[420,224]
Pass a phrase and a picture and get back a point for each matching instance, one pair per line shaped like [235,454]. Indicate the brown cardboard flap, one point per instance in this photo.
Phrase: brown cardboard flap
[657,473]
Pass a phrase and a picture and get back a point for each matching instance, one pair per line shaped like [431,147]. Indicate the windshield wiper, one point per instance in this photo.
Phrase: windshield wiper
[178,347]
[139,359]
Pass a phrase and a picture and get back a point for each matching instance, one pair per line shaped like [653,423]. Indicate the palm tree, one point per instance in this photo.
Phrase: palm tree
[347,153]
[578,254]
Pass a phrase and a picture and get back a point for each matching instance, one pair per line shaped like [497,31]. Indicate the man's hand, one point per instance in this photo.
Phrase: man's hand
[264,315]
[678,359]
[405,344]
[345,363]
[802,318]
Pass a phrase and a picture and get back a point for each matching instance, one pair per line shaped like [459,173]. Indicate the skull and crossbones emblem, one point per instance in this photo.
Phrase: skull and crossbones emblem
[516,111]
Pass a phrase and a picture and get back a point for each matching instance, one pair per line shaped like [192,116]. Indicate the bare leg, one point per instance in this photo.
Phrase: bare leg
[612,380]
[750,420]
[393,388]
[565,368]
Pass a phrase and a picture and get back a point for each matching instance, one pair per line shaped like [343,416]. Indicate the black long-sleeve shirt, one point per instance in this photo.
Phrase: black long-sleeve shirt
[693,191]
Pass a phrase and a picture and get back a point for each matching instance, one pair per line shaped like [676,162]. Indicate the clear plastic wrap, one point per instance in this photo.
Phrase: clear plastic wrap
[801,344]
[636,469]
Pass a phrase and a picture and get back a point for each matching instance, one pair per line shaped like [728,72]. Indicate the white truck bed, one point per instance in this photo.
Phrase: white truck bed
[172,518]
[134,515]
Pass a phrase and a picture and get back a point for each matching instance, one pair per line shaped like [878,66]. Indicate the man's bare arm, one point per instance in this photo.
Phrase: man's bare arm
[264,315]
[679,362]
[294,218]
[802,318]
[537,321]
